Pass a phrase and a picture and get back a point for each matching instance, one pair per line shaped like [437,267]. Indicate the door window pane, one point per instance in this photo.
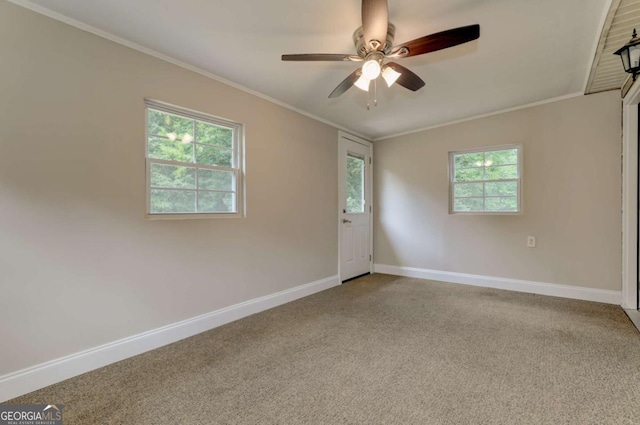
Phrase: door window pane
[355,184]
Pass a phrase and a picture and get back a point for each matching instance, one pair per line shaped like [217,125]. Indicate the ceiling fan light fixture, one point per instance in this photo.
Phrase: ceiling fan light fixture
[374,43]
[371,69]
[363,83]
[390,75]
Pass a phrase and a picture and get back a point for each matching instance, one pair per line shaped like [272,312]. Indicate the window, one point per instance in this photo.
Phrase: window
[194,164]
[355,184]
[486,181]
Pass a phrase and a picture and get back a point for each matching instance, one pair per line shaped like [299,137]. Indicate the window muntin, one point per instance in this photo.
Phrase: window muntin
[194,164]
[486,181]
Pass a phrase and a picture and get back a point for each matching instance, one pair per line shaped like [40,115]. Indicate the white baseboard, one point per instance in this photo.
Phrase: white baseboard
[27,380]
[551,289]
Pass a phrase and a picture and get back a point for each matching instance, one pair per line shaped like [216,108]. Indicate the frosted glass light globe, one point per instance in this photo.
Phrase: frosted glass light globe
[371,69]
[363,83]
[390,75]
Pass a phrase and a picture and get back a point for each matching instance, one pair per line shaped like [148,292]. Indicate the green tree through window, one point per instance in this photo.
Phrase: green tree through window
[193,164]
[486,181]
[355,184]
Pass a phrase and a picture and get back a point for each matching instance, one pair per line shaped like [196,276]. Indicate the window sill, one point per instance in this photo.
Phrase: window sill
[485,213]
[193,216]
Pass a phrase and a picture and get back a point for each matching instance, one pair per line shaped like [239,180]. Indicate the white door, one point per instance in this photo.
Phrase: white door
[355,207]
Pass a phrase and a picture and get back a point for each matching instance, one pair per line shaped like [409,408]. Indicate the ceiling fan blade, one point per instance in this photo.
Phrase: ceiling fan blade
[321,57]
[437,41]
[407,79]
[375,22]
[346,84]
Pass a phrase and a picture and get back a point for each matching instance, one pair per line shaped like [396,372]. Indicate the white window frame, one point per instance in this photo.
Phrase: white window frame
[485,150]
[238,165]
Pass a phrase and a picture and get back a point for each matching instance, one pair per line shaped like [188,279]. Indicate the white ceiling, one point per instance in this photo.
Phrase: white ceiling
[528,51]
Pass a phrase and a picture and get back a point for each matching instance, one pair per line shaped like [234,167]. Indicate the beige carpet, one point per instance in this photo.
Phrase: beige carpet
[381,350]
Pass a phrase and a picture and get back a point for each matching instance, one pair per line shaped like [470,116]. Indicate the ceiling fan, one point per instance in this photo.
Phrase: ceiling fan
[374,46]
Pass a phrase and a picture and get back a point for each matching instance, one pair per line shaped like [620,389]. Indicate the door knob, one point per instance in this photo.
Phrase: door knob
[344,220]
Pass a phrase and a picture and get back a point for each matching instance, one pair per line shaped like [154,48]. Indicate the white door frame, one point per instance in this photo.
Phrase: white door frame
[630,198]
[369,182]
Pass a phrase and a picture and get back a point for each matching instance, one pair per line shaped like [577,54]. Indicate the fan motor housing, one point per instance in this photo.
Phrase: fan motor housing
[361,48]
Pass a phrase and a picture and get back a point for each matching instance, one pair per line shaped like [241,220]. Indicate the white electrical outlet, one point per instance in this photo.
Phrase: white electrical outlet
[531,241]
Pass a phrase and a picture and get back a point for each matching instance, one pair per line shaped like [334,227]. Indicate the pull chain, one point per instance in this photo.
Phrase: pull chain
[375,92]
[375,95]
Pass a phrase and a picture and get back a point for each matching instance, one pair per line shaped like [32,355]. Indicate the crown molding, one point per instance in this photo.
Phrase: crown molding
[490,114]
[124,42]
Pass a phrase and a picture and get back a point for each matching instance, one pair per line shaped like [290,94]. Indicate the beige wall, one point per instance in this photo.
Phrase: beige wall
[79,266]
[572,197]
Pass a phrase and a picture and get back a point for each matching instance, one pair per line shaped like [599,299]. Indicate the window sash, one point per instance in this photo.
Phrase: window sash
[195,189]
[484,197]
